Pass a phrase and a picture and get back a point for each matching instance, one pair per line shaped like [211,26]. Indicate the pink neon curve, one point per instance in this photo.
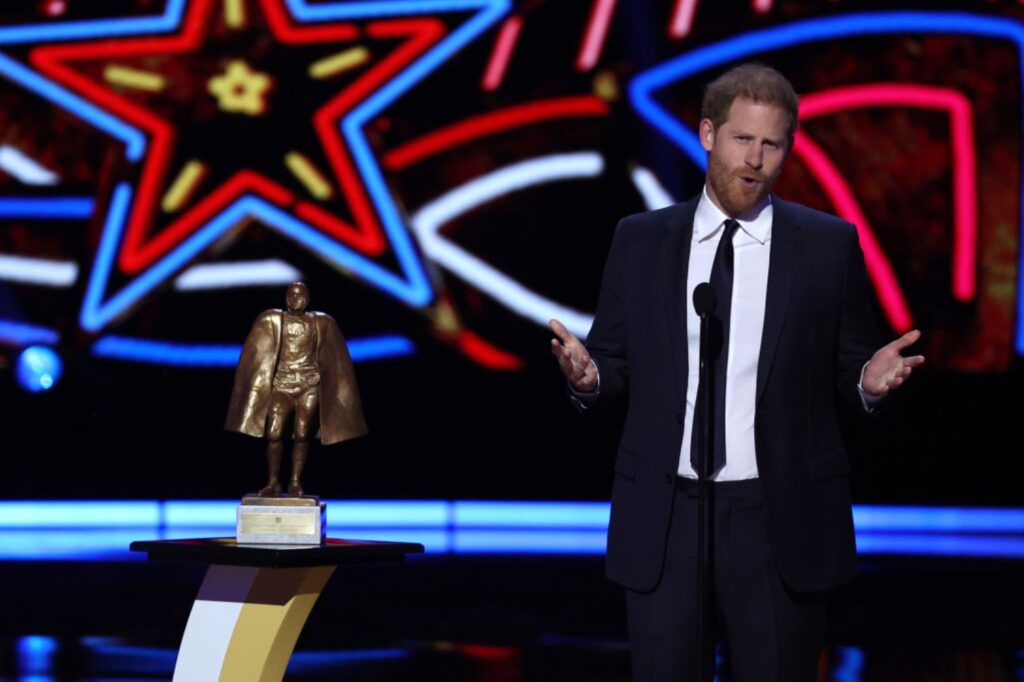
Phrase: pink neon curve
[682,18]
[597,31]
[965,210]
[503,46]
[886,286]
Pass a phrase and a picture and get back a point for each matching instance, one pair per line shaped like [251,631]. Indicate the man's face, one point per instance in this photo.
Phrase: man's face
[297,299]
[745,154]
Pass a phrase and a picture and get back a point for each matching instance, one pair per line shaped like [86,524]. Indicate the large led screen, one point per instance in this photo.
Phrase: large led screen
[446,176]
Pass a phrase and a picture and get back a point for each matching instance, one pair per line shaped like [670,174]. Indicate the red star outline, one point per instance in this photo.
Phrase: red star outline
[139,250]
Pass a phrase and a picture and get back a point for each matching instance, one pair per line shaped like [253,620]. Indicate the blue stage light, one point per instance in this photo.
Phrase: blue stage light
[942,544]
[56,208]
[65,514]
[21,334]
[38,369]
[70,544]
[529,541]
[199,513]
[101,530]
[316,661]
[35,653]
[389,513]
[892,519]
[579,515]
[850,666]
[226,355]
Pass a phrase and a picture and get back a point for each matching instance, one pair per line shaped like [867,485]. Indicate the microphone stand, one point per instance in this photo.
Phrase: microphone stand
[705,302]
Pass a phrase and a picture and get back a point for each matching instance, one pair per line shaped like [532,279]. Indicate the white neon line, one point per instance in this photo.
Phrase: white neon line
[655,196]
[14,162]
[428,221]
[41,271]
[240,274]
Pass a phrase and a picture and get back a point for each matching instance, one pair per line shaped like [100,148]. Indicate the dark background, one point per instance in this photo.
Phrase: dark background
[444,426]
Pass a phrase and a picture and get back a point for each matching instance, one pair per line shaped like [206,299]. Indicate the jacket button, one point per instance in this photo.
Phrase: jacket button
[670,478]
[679,418]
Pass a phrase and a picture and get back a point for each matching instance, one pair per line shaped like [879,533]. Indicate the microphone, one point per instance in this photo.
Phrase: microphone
[705,300]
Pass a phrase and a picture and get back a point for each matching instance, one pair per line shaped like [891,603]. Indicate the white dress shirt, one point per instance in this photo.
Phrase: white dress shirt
[752,248]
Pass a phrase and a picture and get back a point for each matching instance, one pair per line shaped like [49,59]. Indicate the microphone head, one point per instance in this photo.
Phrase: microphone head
[705,300]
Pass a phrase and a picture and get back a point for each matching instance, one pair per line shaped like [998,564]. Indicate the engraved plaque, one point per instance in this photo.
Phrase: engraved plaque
[280,524]
[277,523]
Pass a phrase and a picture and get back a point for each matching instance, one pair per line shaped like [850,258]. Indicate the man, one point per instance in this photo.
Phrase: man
[798,331]
[294,362]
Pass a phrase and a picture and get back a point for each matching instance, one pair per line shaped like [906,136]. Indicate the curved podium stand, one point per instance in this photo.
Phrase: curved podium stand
[255,599]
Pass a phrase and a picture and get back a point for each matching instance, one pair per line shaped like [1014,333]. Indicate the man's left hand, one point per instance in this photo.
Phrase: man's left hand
[888,369]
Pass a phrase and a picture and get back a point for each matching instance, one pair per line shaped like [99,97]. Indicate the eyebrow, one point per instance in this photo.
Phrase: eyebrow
[776,141]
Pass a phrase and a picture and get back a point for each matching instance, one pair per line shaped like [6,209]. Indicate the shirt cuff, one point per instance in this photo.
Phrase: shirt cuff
[584,400]
[870,402]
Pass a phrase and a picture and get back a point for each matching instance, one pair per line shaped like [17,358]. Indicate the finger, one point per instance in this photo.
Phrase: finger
[908,339]
[561,332]
[914,361]
[576,351]
[561,351]
[583,364]
[562,355]
[557,349]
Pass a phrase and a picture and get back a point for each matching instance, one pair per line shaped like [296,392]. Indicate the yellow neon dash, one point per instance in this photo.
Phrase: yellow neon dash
[444,318]
[234,13]
[337,63]
[134,78]
[307,173]
[183,185]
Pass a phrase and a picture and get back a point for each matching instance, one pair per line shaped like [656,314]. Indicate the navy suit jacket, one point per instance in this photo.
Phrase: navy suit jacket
[819,330]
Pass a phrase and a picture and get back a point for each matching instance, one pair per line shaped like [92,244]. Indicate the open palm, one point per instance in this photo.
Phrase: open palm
[888,369]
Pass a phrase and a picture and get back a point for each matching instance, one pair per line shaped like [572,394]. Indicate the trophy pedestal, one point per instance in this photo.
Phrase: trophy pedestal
[281,521]
[254,600]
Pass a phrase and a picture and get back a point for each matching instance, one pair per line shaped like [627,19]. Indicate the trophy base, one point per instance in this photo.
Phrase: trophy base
[281,520]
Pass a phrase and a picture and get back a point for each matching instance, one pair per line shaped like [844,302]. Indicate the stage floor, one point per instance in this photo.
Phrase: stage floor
[496,619]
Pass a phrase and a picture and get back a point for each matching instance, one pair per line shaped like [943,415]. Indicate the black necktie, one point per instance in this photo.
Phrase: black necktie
[721,280]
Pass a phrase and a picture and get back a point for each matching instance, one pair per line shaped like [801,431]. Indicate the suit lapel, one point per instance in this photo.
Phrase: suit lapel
[785,253]
[675,258]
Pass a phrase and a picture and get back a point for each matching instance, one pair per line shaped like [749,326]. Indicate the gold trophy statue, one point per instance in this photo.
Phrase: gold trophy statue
[294,363]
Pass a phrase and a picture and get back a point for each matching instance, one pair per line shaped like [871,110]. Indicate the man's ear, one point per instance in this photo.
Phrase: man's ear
[707,134]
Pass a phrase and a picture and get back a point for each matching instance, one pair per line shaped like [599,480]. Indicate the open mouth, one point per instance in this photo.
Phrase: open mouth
[749,182]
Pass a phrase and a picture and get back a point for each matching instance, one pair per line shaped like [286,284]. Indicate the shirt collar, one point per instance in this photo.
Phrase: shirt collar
[757,222]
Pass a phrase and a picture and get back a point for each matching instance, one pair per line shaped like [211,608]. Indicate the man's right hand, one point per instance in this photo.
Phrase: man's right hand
[573,359]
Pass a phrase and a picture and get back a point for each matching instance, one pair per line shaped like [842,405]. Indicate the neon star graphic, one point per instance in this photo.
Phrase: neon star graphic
[179,190]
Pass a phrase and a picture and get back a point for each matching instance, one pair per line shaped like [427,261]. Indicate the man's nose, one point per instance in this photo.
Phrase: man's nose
[755,157]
